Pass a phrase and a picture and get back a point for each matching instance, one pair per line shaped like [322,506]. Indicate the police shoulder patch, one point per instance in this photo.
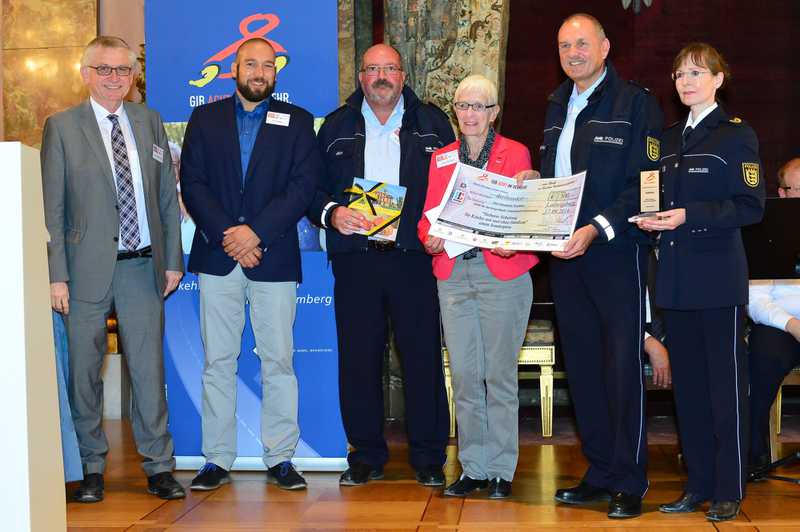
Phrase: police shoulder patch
[751,174]
[653,149]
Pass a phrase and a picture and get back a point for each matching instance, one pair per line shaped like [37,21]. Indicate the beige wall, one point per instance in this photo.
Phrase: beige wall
[41,47]
[123,18]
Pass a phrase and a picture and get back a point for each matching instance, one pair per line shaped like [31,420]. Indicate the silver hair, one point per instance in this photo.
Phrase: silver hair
[109,41]
[480,84]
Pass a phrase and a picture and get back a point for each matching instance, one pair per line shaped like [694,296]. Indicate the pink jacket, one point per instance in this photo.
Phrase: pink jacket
[507,158]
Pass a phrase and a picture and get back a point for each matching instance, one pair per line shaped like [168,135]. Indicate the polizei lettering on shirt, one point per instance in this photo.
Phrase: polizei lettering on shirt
[616,141]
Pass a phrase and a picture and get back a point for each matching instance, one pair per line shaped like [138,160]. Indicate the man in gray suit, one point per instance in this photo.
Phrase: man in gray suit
[112,213]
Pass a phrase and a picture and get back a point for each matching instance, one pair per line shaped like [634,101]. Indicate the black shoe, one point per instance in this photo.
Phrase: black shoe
[687,502]
[499,488]
[757,468]
[723,511]
[286,477]
[464,486]
[91,488]
[360,473]
[431,475]
[624,506]
[210,477]
[583,493]
[164,486]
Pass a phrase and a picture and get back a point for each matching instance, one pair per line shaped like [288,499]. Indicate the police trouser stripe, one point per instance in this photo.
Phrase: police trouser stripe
[640,338]
[736,397]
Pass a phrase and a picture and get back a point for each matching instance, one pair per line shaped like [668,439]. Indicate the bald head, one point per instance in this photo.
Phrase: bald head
[254,72]
[582,49]
[381,52]
[381,78]
[250,43]
[789,179]
[579,19]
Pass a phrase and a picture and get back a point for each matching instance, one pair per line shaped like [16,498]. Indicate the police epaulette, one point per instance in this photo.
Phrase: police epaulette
[637,84]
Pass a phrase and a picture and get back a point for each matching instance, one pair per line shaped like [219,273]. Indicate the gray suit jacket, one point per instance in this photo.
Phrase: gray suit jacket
[80,199]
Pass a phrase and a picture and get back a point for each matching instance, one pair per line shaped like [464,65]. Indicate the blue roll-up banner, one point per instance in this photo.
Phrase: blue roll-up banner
[190,47]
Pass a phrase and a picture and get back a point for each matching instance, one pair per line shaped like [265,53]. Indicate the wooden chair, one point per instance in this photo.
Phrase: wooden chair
[537,349]
[775,413]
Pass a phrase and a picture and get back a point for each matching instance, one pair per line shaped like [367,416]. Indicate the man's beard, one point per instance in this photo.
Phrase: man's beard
[252,95]
[381,98]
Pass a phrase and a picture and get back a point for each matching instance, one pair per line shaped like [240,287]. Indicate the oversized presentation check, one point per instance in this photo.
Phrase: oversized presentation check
[482,209]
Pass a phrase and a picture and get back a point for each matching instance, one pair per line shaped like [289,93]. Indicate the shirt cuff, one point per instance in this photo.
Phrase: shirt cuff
[607,229]
[323,217]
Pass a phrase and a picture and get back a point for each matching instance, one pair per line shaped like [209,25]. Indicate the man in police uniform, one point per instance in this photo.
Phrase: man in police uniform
[384,133]
[610,128]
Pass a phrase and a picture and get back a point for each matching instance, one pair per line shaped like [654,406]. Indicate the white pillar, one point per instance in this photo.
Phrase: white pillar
[32,496]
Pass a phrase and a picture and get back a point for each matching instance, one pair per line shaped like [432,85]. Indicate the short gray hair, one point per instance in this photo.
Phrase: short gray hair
[109,41]
[599,27]
[480,84]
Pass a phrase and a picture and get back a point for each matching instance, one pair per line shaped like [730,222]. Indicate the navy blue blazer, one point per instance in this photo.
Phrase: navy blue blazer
[278,187]
[717,177]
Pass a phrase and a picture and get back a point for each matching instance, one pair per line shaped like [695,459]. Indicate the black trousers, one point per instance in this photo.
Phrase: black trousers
[709,381]
[773,354]
[599,301]
[369,286]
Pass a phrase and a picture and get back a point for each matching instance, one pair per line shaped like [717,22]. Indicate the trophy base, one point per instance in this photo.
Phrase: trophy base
[642,216]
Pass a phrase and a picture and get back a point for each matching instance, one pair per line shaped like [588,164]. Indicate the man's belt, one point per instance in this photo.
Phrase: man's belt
[139,253]
[381,245]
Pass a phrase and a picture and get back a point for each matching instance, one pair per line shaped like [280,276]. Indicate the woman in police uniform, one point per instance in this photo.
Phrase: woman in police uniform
[712,186]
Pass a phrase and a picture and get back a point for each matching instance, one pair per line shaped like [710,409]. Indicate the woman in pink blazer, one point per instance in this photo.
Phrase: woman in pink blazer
[485,298]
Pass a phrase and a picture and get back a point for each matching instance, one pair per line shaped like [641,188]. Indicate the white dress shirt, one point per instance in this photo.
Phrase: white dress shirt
[101,115]
[577,103]
[694,123]
[774,303]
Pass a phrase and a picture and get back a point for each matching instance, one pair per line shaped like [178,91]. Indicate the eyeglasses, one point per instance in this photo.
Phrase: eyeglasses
[692,74]
[477,106]
[373,70]
[105,70]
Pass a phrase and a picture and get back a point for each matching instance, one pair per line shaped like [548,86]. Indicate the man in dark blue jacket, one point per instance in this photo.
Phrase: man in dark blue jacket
[384,133]
[610,128]
[249,170]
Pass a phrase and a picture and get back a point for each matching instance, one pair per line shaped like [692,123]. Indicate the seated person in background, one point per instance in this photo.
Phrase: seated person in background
[775,338]
[654,335]
[657,353]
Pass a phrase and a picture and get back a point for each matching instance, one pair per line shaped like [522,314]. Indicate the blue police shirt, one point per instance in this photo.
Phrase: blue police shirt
[382,144]
[577,103]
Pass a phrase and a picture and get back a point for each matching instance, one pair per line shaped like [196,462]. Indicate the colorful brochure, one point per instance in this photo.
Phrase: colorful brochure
[381,204]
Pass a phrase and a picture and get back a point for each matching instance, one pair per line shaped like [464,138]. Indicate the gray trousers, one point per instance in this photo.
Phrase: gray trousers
[272,311]
[484,322]
[140,316]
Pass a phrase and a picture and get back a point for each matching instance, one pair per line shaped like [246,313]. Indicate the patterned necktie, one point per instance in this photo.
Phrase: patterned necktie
[128,220]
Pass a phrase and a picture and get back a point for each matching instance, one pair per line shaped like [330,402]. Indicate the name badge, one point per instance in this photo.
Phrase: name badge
[279,119]
[446,159]
[158,153]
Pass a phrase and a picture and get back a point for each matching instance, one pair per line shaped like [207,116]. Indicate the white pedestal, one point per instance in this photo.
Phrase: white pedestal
[32,497]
